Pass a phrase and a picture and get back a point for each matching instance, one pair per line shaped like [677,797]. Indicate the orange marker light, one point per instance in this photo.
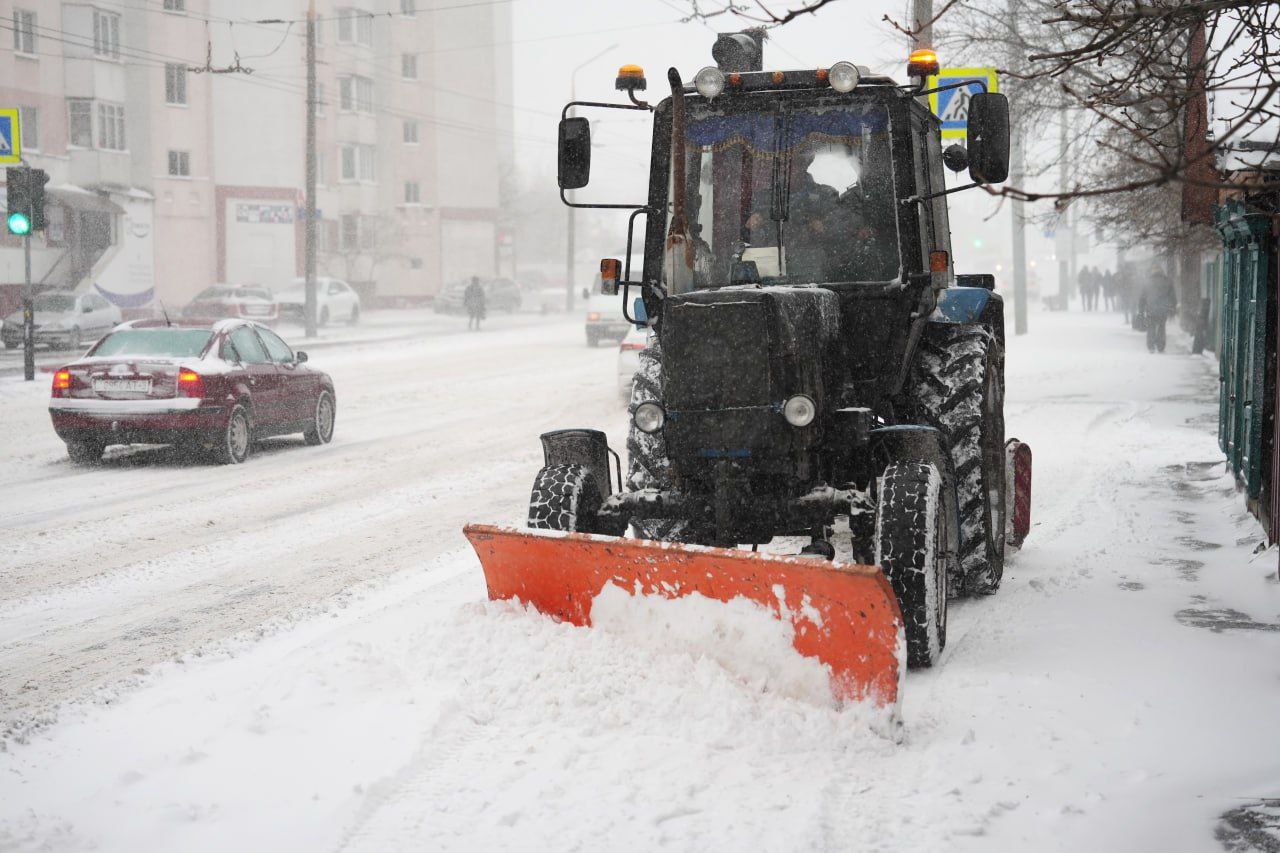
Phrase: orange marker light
[821,74]
[922,62]
[938,261]
[778,77]
[735,79]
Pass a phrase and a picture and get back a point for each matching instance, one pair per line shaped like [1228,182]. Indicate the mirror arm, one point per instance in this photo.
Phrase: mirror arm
[601,206]
[981,82]
[639,105]
[917,199]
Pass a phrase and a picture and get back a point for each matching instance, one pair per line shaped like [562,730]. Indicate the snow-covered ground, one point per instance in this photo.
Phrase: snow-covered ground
[296,654]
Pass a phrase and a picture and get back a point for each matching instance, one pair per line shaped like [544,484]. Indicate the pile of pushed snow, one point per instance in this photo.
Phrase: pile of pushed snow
[742,636]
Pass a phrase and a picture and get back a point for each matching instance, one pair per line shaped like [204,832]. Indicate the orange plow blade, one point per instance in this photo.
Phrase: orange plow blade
[844,615]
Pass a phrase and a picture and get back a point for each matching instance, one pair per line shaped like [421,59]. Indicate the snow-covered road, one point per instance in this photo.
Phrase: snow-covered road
[309,663]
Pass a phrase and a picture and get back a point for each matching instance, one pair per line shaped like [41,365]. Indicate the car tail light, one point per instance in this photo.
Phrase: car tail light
[630,345]
[62,383]
[190,384]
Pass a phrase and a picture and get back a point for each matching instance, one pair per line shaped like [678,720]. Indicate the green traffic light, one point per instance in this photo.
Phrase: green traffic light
[19,223]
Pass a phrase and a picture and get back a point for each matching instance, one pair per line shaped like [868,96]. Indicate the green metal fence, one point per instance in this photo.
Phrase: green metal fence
[1245,353]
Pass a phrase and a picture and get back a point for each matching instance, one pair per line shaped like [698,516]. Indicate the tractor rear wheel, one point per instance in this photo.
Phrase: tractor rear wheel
[565,497]
[648,466]
[911,549]
[959,389]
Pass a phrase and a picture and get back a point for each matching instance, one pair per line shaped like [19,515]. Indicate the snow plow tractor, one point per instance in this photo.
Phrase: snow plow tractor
[815,363]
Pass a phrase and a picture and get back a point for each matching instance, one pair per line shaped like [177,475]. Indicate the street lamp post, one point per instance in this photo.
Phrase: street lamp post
[569,242]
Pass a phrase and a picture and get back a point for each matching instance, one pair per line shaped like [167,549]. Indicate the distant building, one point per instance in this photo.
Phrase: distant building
[172,167]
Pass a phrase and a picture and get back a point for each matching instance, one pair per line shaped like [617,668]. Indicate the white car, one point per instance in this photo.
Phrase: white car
[629,359]
[335,301]
[63,320]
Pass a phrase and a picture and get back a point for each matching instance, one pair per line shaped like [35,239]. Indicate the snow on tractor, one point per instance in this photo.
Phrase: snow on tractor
[814,360]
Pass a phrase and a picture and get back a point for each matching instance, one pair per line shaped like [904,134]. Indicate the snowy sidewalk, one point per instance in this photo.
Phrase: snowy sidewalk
[1119,693]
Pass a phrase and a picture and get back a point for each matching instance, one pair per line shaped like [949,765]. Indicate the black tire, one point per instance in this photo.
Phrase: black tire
[234,442]
[911,549]
[959,389]
[354,319]
[324,316]
[322,418]
[565,497]
[648,466]
[593,338]
[85,451]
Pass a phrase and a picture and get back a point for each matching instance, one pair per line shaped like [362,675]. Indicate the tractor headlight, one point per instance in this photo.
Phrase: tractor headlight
[843,76]
[649,417]
[709,82]
[799,410]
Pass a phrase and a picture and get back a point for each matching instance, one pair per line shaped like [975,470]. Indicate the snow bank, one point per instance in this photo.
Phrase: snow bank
[741,635]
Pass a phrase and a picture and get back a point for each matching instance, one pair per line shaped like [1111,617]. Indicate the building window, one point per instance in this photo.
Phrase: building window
[111,127]
[408,7]
[175,5]
[29,118]
[355,93]
[349,232]
[180,163]
[24,31]
[80,122]
[355,27]
[175,84]
[357,162]
[106,34]
[412,193]
[411,132]
[409,66]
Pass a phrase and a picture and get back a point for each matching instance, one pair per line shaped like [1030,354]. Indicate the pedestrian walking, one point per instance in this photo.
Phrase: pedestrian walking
[1108,291]
[473,300]
[1160,301]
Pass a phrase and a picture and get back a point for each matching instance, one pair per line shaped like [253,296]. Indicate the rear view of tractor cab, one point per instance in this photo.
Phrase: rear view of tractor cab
[813,360]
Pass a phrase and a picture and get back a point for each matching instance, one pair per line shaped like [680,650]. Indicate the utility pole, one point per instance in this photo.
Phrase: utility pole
[28,316]
[922,23]
[1018,177]
[570,249]
[309,306]
[1061,241]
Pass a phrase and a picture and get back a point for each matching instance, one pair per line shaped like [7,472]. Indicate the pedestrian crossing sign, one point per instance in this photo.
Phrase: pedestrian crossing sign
[952,105]
[10,137]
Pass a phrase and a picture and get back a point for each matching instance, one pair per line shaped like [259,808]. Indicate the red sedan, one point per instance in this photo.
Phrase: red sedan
[215,387]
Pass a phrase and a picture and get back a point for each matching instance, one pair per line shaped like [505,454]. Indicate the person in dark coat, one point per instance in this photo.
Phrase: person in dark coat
[1160,301]
[473,300]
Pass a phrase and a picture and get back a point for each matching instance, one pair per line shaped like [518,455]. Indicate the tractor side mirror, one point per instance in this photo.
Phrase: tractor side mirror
[574,169]
[988,138]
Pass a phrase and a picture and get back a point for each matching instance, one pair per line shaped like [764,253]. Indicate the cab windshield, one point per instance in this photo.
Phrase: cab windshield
[800,195]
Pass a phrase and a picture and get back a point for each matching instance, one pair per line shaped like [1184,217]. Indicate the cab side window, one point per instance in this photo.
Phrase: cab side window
[248,346]
[278,350]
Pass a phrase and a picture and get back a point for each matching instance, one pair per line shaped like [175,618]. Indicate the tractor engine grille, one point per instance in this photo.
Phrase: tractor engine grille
[715,354]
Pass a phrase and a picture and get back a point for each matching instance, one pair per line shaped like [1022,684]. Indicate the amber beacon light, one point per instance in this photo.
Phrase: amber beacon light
[922,62]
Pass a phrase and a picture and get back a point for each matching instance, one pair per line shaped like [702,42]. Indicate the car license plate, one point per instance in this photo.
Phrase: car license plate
[110,386]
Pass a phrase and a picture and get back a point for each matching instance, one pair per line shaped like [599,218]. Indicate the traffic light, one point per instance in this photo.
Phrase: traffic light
[25,190]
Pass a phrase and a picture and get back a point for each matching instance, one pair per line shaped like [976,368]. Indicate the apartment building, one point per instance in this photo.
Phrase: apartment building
[174,134]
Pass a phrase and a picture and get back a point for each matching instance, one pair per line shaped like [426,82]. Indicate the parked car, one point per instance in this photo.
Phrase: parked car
[216,387]
[629,359]
[63,320]
[605,319]
[335,300]
[500,294]
[250,301]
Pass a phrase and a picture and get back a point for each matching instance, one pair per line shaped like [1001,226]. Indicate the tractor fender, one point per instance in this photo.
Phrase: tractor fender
[970,306]
[921,443]
[586,447]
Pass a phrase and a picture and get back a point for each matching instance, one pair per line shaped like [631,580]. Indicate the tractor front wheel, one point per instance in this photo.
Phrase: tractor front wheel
[565,497]
[911,549]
